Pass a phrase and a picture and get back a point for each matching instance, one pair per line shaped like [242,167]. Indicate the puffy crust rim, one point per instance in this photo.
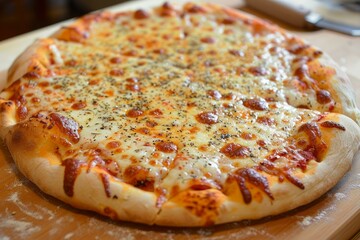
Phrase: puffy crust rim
[137,205]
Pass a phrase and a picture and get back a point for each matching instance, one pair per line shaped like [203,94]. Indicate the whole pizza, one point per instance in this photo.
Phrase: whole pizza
[186,115]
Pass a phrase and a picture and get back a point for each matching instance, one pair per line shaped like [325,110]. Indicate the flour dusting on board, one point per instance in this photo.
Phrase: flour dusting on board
[320,216]
[23,229]
[39,213]
[339,196]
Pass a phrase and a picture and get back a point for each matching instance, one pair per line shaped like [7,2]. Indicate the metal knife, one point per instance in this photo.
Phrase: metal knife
[299,16]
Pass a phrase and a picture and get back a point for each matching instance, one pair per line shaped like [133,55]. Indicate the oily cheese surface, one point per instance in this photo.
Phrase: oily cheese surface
[183,116]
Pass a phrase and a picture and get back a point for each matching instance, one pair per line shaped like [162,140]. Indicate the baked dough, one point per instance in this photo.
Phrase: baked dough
[179,116]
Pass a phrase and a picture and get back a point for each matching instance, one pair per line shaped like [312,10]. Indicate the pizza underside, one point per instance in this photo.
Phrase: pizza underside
[180,115]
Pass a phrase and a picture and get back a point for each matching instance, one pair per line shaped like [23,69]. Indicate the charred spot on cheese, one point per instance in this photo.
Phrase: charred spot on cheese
[316,145]
[73,34]
[247,136]
[31,75]
[71,63]
[312,130]
[151,124]
[332,124]
[209,40]
[166,147]
[266,121]
[72,170]
[159,51]
[156,112]
[323,96]
[116,72]
[302,72]
[115,60]
[214,94]
[132,80]
[143,130]
[228,21]
[112,166]
[67,126]
[167,10]
[134,113]
[256,104]
[138,176]
[193,8]
[303,106]
[271,169]
[317,53]
[132,87]
[261,143]
[233,150]
[294,180]
[94,81]
[237,53]
[200,184]
[207,118]
[257,71]
[141,14]
[22,112]
[246,176]
[78,105]
[106,183]
[298,48]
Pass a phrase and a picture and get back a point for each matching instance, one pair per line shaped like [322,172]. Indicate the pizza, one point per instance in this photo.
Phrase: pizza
[179,115]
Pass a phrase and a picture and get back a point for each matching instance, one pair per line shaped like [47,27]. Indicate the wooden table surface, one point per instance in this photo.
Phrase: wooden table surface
[27,213]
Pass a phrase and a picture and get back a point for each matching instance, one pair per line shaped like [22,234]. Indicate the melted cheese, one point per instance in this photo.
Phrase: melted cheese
[164,68]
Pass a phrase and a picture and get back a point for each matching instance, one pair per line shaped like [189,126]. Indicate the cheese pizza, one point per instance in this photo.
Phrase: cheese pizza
[186,115]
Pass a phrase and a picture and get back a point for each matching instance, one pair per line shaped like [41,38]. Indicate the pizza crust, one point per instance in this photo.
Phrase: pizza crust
[343,90]
[340,82]
[287,196]
[34,151]
[34,59]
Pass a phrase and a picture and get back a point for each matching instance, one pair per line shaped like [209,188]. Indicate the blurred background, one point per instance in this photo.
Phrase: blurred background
[21,16]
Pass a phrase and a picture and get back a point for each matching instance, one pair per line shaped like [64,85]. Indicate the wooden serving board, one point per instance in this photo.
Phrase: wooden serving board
[27,213]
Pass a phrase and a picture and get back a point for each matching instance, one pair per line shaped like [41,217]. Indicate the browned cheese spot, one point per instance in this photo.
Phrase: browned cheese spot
[138,176]
[67,126]
[72,170]
[106,182]
[256,104]
[134,113]
[253,177]
[323,96]
[166,147]
[332,124]
[141,14]
[207,118]
[233,150]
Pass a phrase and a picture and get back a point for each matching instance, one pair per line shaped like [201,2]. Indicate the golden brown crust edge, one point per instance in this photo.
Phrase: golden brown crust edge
[49,177]
[33,152]
[343,89]
[287,196]
[340,81]
[34,59]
